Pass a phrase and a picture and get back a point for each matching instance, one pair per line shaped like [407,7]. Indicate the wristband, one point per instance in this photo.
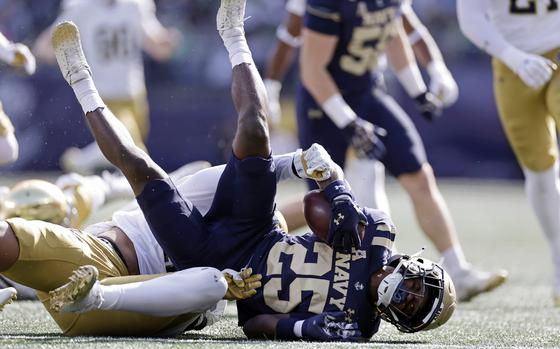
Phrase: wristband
[336,189]
[284,35]
[411,79]
[339,111]
[285,329]
[297,164]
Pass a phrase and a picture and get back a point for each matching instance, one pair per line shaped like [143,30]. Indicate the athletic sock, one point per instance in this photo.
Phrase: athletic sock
[454,260]
[87,94]
[193,290]
[236,45]
[543,192]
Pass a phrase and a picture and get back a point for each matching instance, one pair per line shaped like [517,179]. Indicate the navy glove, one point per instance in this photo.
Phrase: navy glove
[429,106]
[363,136]
[330,326]
[346,217]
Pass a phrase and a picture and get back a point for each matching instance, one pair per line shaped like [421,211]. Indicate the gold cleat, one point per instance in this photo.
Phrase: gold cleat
[75,295]
[474,282]
[69,53]
[7,296]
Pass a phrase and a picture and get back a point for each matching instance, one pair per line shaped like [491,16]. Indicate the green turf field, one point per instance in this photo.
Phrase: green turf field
[496,230]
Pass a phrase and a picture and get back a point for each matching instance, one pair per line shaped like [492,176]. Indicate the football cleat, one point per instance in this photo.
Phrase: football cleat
[80,294]
[470,283]
[7,296]
[69,54]
[230,15]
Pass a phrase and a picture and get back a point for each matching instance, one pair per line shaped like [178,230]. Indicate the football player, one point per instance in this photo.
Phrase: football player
[18,56]
[521,38]
[338,104]
[330,296]
[115,33]
[367,176]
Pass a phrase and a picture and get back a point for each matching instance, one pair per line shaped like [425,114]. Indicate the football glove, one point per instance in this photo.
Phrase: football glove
[241,285]
[442,84]
[331,326]
[346,217]
[429,106]
[533,70]
[364,137]
[314,163]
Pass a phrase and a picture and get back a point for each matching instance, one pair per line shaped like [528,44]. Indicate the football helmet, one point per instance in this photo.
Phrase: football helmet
[418,295]
[36,199]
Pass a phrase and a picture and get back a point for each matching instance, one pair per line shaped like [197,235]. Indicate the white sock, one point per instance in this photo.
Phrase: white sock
[87,95]
[543,192]
[367,179]
[193,290]
[454,261]
[236,45]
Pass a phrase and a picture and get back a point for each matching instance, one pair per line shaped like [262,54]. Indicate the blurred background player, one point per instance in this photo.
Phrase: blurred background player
[522,37]
[367,176]
[17,56]
[338,103]
[114,35]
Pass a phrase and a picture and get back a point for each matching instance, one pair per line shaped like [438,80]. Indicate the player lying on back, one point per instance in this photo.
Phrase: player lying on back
[310,291]
[522,37]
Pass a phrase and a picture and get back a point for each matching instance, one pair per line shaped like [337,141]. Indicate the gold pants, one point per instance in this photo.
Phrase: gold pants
[529,117]
[133,114]
[48,255]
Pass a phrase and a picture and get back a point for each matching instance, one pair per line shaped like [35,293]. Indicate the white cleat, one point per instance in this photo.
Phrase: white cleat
[69,54]
[230,15]
[7,296]
[470,283]
[80,294]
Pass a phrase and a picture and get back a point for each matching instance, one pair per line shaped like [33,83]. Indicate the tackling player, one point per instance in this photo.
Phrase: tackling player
[115,33]
[331,296]
[17,56]
[522,37]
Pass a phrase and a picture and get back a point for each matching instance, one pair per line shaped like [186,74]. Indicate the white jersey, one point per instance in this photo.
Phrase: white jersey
[112,33]
[199,188]
[529,25]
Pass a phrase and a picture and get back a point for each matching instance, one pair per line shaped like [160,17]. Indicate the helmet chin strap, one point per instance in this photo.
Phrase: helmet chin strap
[391,282]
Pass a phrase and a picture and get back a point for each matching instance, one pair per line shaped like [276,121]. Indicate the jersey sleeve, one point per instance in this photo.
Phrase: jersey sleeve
[380,235]
[323,16]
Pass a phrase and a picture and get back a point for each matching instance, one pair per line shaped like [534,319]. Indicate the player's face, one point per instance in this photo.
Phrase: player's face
[409,299]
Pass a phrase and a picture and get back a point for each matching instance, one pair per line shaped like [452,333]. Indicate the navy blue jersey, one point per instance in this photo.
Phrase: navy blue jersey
[363,29]
[302,276]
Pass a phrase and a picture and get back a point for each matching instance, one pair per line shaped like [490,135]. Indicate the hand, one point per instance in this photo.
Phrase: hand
[363,136]
[429,106]
[442,84]
[23,58]
[330,326]
[241,285]
[273,88]
[344,230]
[533,70]
[314,163]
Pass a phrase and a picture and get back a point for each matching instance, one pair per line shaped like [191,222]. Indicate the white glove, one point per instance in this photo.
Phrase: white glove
[273,88]
[18,55]
[442,84]
[314,163]
[534,70]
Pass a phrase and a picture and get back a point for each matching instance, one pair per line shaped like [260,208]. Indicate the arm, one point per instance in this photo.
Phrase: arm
[404,65]
[159,42]
[289,38]
[263,326]
[478,27]
[429,56]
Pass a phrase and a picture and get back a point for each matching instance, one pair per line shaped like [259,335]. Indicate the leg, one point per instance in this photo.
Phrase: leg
[367,178]
[9,247]
[247,89]
[112,137]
